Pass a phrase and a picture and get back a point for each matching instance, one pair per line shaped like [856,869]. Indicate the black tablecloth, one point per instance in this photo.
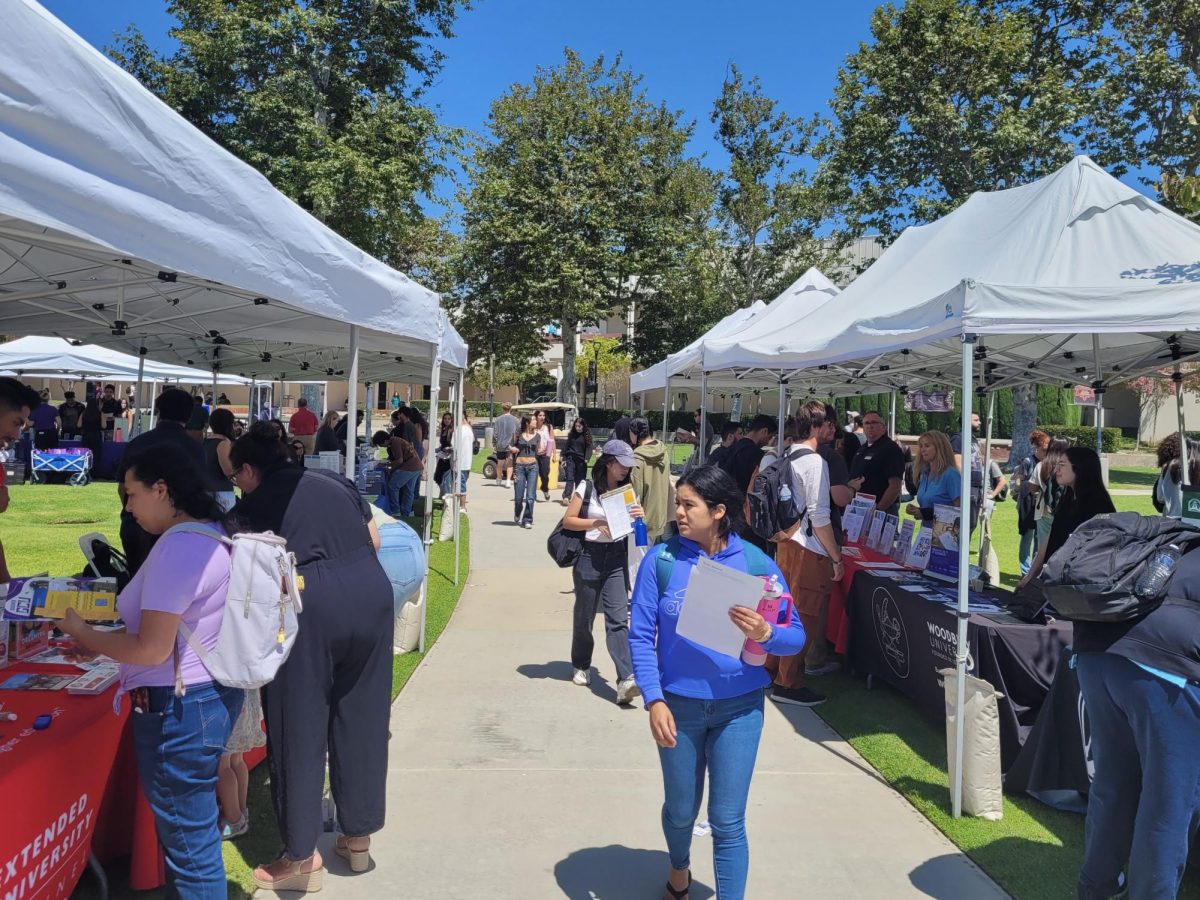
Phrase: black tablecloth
[904,639]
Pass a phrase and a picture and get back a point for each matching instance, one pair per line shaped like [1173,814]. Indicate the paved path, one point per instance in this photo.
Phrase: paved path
[507,781]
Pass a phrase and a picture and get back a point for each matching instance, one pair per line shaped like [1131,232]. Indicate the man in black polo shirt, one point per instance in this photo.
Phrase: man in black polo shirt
[880,465]
[173,408]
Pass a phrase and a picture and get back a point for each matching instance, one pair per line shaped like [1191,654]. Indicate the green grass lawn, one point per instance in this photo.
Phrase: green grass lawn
[1035,851]
[41,532]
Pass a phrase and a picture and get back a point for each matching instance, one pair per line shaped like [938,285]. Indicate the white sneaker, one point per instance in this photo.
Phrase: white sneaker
[526,524]
[506,483]
[499,483]
[627,690]
[582,677]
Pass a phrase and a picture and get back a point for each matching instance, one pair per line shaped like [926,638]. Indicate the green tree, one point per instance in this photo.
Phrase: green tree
[951,97]
[769,209]
[1156,59]
[612,365]
[321,96]
[580,200]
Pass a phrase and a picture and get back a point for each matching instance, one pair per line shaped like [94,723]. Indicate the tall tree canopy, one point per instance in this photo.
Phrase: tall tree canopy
[322,97]
[580,200]
[952,96]
[770,211]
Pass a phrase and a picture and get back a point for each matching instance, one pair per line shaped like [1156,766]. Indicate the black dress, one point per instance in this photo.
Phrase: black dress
[334,691]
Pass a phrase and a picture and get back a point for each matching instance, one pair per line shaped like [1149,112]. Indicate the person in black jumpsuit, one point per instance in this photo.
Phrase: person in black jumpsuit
[335,688]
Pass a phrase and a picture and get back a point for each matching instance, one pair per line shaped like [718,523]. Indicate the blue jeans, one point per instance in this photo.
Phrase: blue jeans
[1144,804]
[525,491]
[178,744]
[403,559]
[722,736]
[1028,549]
[448,479]
[402,489]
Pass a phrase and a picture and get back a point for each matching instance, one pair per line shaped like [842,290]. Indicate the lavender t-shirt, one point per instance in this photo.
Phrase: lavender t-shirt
[187,574]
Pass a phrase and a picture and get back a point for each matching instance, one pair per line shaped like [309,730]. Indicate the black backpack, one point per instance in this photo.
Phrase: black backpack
[1091,577]
[773,510]
[565,545]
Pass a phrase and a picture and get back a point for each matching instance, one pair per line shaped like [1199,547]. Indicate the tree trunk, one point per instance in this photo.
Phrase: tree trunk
[1024,421]
[566,385]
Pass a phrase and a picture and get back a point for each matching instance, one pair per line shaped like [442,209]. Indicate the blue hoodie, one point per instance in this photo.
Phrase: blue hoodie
[664,662]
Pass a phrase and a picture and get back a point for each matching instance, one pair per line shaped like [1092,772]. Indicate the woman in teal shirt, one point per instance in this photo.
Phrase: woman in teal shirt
[938,480]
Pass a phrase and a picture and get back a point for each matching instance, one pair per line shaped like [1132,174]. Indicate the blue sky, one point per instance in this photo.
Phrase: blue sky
[682,47]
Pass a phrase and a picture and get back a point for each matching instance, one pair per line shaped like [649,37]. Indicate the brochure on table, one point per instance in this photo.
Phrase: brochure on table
[943,550]
[854,519]
[903,543]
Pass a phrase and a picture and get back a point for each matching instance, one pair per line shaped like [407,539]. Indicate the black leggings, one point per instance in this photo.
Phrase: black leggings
[544,471]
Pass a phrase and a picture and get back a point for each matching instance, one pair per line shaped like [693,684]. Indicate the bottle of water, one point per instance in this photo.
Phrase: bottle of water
[640,537]
[1153,580]
[785,493]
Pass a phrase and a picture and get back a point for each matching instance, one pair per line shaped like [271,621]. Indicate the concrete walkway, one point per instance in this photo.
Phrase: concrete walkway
[508,781]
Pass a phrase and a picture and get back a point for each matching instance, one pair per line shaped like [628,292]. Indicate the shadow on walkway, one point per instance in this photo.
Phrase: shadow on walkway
[561,670]
[618,873]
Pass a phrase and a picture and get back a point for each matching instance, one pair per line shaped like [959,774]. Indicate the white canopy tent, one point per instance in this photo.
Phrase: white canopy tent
[121,223]
[1073,278]
[52,357]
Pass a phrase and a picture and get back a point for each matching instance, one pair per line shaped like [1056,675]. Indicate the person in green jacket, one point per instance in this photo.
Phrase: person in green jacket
[651,478]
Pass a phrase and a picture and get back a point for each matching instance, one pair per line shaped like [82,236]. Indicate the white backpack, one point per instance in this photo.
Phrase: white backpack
[262,606]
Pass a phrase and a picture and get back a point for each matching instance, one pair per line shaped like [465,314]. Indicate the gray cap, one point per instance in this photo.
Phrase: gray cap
[620,451]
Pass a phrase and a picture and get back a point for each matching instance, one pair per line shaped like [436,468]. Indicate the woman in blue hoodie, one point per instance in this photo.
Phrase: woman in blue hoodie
[706,708]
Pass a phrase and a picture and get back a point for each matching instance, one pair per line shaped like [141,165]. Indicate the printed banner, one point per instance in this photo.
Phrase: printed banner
[929,401]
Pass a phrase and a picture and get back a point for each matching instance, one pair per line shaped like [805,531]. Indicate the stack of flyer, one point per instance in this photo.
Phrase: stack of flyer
[42,597]
[101,677]
[856,518]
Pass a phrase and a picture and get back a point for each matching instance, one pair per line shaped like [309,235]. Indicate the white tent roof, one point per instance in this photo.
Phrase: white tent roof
[684,366]
[52,357]
[114,208]
[1074,278]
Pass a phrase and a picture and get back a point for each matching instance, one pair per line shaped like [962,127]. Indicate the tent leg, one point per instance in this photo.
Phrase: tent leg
[435,376]
[153,397]
[782,418]
[250,417]
[987,464]
[137,394]
[352,406]
[892,417]
[666,406]
[1184,465]
[462,407]
[367,412]
[964,577]
[701,443]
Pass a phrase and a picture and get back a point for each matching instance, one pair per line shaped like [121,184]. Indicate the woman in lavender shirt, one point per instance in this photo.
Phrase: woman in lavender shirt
[179,734]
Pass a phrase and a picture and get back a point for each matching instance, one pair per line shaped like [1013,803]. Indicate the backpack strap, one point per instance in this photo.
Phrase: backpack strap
[757,562]
[664,563]
[188,635]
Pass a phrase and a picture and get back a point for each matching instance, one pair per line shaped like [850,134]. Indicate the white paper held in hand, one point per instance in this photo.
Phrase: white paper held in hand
[616,505]
[712,590]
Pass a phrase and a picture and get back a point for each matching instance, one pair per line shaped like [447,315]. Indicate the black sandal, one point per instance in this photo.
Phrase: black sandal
[673,894]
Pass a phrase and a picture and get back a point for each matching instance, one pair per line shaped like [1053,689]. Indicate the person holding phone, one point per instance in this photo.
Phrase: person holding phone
[705,708]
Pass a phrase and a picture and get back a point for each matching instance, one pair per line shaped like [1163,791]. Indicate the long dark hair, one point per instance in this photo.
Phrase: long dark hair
[261,448]
[446,429]
[526,422]
[221,422]
[183,478]
[1088,492]
[600,474]
[1169,455]
[716,488]
[586,431]
[1054,452]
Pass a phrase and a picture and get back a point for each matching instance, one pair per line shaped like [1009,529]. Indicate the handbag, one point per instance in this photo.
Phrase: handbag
[565,544]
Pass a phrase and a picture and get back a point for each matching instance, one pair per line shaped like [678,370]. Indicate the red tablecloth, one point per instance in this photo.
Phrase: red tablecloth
[56,785]
[837,628]
[76,787]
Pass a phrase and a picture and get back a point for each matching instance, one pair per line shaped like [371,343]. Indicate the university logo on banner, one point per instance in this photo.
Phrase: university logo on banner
[1191,504]
[889,629]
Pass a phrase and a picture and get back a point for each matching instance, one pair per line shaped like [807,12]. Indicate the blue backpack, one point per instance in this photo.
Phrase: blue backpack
[757,562]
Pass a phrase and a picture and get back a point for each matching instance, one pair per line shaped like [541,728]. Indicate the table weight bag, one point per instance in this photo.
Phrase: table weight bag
[982,787]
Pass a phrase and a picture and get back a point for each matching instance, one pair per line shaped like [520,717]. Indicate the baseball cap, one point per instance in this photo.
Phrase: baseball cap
[620,451]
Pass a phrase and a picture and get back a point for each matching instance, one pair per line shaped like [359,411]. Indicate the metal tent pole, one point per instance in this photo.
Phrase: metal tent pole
[702,445]
[964,576]
[352,406]
[435,376]
[459,462]
[250,417]
[367,412]
[666,406]
[137,393]
[1185,478]
[782,417]
[1099,389]
[987,465]
[892,417]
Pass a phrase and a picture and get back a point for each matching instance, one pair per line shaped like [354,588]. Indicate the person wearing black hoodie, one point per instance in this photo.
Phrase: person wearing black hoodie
[575,455]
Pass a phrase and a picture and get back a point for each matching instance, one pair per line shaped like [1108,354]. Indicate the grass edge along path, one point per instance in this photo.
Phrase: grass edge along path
[262,842]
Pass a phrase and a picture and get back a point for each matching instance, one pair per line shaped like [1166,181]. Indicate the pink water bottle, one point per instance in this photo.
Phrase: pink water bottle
[775,607]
